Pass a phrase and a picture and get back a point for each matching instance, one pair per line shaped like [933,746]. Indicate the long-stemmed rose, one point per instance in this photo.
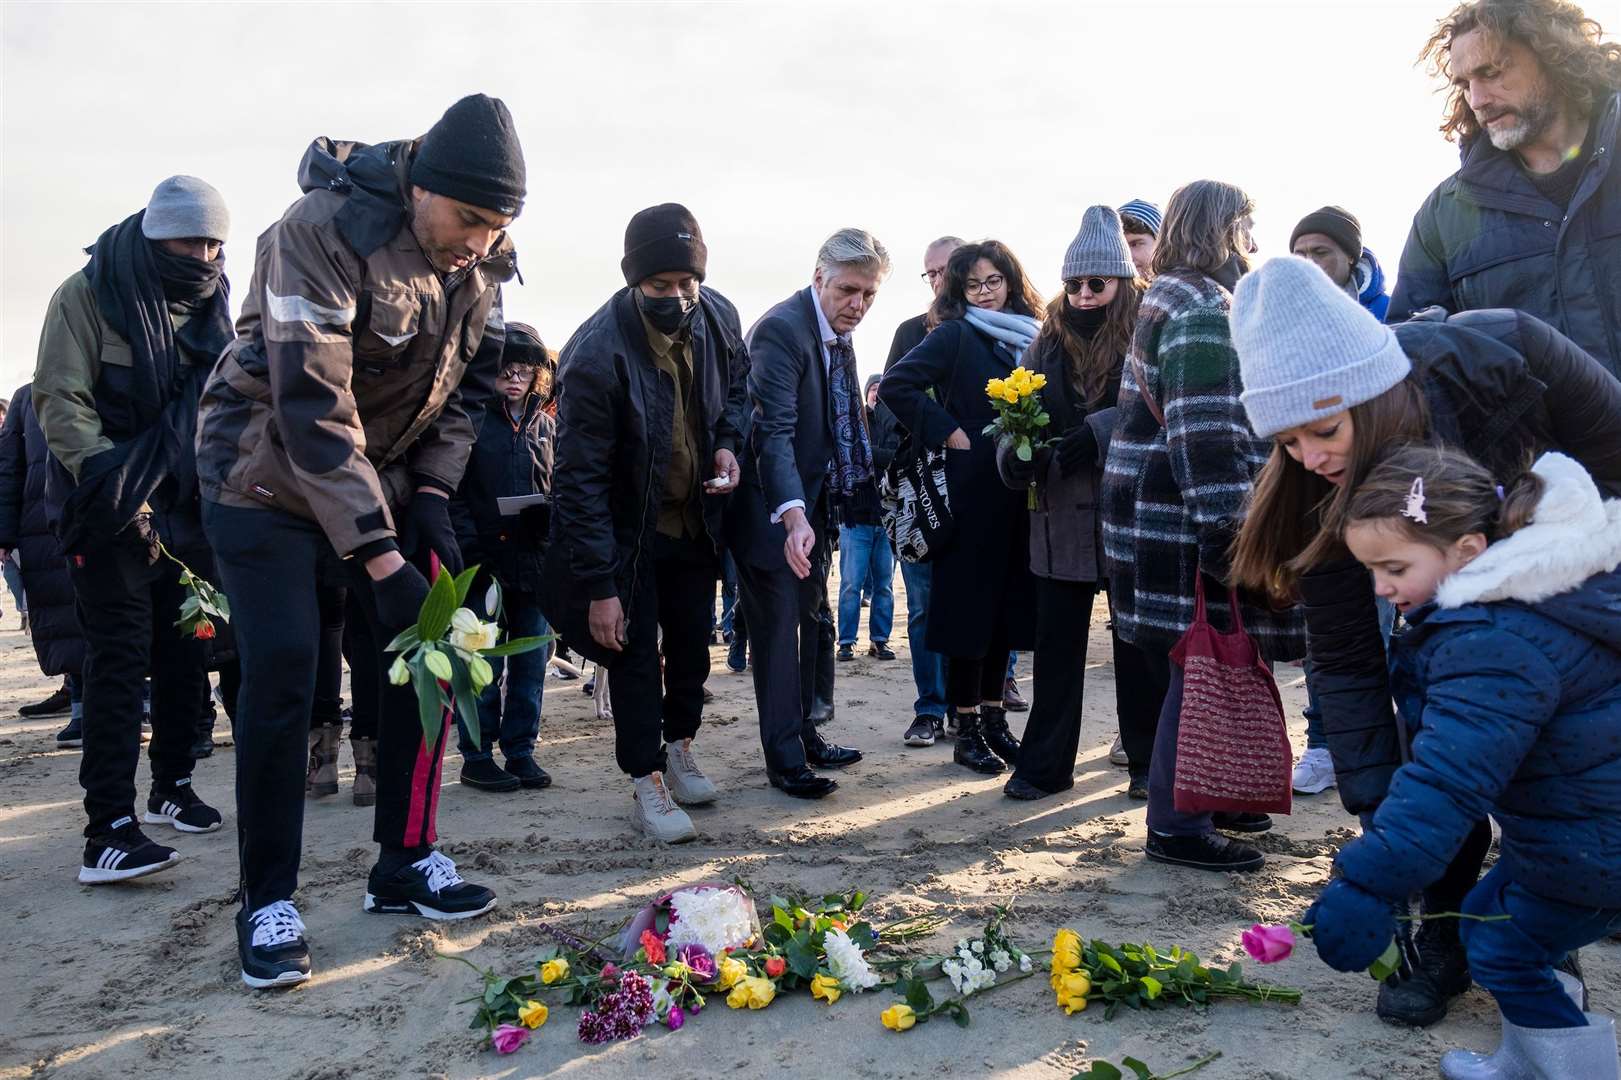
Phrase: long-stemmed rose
[446,655]
[203,604]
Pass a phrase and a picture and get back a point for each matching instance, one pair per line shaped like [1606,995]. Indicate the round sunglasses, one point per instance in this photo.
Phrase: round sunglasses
[1096,284]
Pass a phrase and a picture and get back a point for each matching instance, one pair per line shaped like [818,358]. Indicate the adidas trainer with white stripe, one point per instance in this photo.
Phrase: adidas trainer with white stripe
[122,853]
[178,805]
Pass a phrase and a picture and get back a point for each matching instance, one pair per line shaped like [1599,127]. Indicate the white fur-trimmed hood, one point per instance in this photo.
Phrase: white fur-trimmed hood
[1574,534]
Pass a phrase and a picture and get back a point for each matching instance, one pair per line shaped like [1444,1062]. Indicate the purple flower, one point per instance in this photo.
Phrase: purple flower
[697,958]
[1269,944]
[620,1014]
[675,1019]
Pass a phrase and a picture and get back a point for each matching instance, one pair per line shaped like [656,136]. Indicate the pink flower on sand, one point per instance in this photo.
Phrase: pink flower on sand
[1269,944]
[508,1037]
[675,1018]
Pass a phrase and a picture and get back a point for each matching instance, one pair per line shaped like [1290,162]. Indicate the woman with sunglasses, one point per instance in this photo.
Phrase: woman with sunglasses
[1081,350]
[982,598]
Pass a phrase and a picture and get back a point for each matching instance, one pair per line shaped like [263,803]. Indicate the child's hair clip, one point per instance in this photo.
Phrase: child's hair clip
[1414,507]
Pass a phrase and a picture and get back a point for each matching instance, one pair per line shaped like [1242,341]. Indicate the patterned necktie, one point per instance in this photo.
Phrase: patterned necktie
[851,466]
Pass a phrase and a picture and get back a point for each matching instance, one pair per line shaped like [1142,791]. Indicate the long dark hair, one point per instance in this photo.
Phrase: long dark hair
[1092,363]
[1295,519]
[952,303]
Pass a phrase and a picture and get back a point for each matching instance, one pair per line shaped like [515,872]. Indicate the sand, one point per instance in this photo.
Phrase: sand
[141,980]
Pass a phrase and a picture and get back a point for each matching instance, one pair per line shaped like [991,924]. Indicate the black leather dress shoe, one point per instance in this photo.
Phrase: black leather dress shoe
[803,784]
[825,755]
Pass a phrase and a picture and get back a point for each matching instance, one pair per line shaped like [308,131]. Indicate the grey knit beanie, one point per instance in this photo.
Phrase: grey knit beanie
[1100,248]
[1307,350]
[184,206]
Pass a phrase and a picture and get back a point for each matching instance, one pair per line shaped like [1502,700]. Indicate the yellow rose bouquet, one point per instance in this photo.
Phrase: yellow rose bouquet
[1020,418]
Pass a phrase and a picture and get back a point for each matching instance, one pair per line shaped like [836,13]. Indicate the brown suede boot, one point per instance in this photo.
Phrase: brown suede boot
[321,779]
[365,771]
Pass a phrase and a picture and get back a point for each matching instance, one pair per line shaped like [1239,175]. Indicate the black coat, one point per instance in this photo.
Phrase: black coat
[908,336]
[790,429]
[981,584]
[507,460]
[1501,386]
[24,461]
[1487,238]
[615,411]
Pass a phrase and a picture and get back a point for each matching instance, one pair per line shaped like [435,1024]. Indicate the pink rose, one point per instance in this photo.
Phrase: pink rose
[1269,944]
[508,1037]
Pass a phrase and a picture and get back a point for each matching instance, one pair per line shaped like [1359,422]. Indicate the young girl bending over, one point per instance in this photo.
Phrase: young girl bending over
[1509,673]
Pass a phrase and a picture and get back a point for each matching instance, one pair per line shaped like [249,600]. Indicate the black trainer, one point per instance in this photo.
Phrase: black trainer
[429,887]
[529,774]
[121,853]
[486,775]
[923,731]
[58,704]
[1212,851]
[178,805]
[272,946]
[1241,822]
[72,735]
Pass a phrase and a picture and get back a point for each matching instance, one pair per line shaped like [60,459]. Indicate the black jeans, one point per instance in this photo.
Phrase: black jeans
[127,609]
[972,681]
[327,709]
[365,671]
[650,711]
[1052,735]
[272,565]
[1141,678]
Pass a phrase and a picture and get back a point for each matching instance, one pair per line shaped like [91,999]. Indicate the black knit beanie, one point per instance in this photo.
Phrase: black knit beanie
[472,155]
[1340,226]
[663,239]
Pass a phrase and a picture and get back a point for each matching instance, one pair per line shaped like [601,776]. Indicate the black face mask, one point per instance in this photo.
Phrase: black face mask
[1086,321]
[668,314]
[187,281]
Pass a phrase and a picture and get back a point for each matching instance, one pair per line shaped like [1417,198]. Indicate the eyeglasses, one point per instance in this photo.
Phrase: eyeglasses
[990,284]
[1096,284]
[514,374]
[932,275]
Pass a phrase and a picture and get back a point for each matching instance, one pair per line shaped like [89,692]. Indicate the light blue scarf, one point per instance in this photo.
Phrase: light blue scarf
[1013,332]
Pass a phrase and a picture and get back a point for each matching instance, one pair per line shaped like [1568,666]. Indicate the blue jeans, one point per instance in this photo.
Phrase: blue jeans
[864,553]
[509,709]
[928,668]
[1315,737]
[14,582]
[728,593]
[1514,959]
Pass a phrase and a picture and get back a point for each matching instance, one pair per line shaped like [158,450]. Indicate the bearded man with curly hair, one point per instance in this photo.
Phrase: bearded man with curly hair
[1532,218]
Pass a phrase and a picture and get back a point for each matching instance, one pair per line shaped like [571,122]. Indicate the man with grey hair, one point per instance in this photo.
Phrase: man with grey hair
[807,453]
[915,329]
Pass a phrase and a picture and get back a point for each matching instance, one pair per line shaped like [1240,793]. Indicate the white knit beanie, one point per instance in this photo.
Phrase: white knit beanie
[1306,349]
[1100,248]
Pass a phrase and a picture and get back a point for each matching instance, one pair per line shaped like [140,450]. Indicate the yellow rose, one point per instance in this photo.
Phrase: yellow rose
[995,389]
[1020,381]
[761,992]
[1072,990]
[1011,396]
[553,970]
[1038,381]
[532,1014]
[739,997]
[1066,950]
[898,1017]
[729,973]
[826,988]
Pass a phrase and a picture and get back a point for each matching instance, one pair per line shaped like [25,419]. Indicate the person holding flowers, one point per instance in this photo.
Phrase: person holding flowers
[1509,670]
[1076,362]
[983,595]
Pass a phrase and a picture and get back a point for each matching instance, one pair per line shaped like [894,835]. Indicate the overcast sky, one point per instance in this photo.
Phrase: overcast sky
[774,123]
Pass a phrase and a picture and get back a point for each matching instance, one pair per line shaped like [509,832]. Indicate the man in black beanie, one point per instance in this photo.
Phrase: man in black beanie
[649,421]
[334,427]
[1332,238]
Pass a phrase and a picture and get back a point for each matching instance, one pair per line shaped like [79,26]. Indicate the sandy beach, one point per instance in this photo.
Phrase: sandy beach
[142,980]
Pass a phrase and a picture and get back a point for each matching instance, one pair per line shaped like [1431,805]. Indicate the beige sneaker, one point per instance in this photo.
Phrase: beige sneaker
[687,782]
[1117,753]
[657,812]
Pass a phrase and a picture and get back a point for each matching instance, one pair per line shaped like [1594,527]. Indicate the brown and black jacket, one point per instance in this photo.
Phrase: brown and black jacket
[357,370]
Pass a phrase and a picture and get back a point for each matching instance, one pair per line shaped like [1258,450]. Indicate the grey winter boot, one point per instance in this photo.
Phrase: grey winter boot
[365,770]
[321,779]
[1587,1052]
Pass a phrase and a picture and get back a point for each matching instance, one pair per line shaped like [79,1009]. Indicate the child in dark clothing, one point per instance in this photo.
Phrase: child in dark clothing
[512,458]
[1509,672]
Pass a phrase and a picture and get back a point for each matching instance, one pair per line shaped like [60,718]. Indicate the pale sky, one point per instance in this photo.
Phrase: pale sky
[774,123]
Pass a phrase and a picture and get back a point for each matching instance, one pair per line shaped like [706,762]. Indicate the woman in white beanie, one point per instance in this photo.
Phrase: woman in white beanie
[1334,389]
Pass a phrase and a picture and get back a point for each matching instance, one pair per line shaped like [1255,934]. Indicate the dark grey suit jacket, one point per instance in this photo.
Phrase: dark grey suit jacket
[789,441]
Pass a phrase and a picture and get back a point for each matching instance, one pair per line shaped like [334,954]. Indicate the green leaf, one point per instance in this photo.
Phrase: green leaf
[437,609]
[801,958]
[990,429]
[1100,1070]
[465,700]
[1388,964]
[405,639]
[464,581]
[1151,986]
[518,645]
[1108,961]
[863,935]
[436,662]
[959,1013]
[917,994]
[430,706]
[1022,451]
[1143,1071]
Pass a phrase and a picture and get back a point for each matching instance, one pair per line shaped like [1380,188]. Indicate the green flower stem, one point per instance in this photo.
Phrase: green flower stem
[1195,1067]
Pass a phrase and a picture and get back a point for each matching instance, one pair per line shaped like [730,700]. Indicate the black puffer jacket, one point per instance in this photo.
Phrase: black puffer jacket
[24,461]
[1502,386]
[510,458]
[614,417]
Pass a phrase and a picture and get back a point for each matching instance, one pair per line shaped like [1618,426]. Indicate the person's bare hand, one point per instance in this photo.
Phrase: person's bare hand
[607,622]
[957,440]
[800,542]
[725,465]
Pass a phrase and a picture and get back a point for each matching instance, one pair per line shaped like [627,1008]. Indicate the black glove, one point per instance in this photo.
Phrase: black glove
[1077,450]
[399,597]
[428,528]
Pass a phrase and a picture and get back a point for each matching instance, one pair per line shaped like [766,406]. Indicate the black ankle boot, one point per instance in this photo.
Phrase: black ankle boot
[971,750]
[1003,743]
[1440,974]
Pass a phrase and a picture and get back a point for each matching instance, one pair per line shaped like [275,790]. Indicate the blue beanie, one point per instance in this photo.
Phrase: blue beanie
[1145,212]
